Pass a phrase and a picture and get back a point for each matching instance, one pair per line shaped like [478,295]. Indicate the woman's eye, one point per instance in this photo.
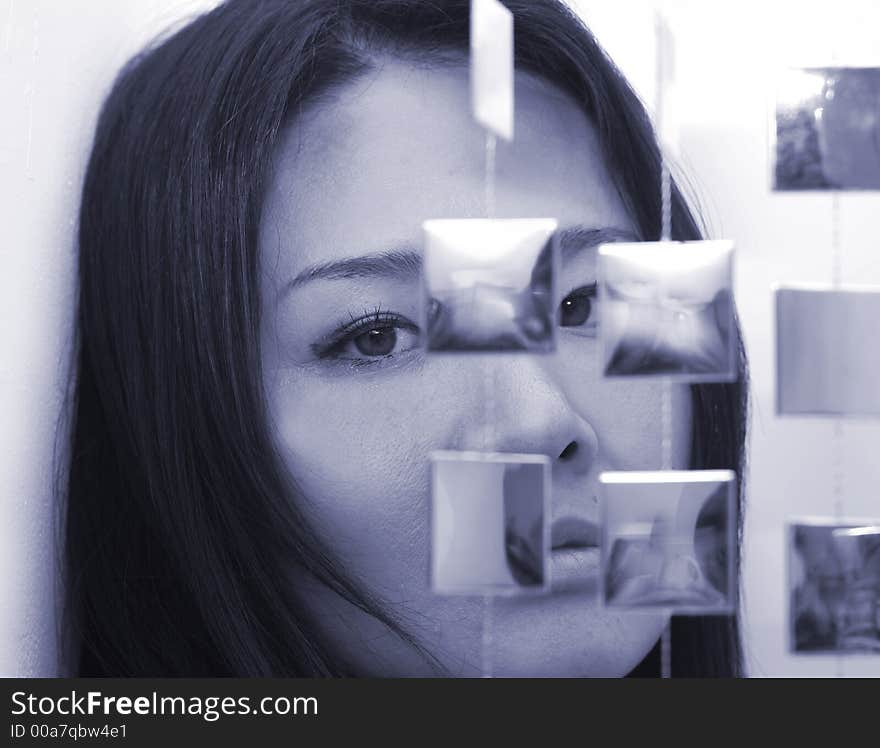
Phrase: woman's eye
[578,307]
[575,311]
[380,341]
[371,338]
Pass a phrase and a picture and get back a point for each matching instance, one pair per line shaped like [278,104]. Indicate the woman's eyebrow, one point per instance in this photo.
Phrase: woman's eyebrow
[403,262]
[406,262]
[574,239]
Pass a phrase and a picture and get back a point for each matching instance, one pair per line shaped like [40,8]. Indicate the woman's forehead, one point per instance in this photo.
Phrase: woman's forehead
[363,168]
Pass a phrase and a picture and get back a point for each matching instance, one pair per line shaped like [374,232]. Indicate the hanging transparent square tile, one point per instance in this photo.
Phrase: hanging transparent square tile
[669,540]
[834,585]
[827,351]
[489,523]
[825,129]
[489,285]
[666,309]
[491,64]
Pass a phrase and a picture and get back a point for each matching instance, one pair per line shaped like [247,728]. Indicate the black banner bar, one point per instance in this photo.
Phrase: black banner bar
[262,712]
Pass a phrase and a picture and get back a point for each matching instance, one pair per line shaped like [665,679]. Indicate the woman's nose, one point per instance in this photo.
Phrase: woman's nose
[534,415]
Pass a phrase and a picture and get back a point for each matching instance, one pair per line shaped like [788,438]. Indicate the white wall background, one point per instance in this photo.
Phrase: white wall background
[57,60]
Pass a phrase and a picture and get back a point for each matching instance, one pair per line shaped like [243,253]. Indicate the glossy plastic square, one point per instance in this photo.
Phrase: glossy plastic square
[825,129]
[827,351]
[834,585]
[669,541]
[489,523]
[666,309]
[489,285]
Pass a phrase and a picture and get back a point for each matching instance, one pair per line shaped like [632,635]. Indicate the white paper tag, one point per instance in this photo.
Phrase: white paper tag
[492,66]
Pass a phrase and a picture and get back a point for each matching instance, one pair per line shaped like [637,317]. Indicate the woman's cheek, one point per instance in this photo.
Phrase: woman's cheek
[359,456]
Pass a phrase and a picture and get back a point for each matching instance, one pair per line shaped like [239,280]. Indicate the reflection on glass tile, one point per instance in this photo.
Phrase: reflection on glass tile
[827,129]
[491,63]
[667,310]
[834,585]
[489,523]
[827,351]
[489,285]
[669,540]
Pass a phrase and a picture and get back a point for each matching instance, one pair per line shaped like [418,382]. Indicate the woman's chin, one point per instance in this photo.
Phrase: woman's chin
[570,638]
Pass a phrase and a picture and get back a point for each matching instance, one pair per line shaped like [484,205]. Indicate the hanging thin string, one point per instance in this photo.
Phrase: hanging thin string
[665,199]
[665,397]
[664,71]
[491,140]
[837,474]
[836,263]
[837,493]
[837,432]
[663,55]
[666,425]
[663,65]
[487,638]
[666,464]
[837,468]
[666,651]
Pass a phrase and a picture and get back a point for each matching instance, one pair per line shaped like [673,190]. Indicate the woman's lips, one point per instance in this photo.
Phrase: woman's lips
[574,570]
[574,559]
[573,532]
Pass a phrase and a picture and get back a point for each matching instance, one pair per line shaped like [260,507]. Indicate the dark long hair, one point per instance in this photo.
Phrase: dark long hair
[180,522]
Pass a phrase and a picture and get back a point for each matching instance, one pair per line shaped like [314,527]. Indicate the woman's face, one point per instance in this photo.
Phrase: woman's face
[357,406]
